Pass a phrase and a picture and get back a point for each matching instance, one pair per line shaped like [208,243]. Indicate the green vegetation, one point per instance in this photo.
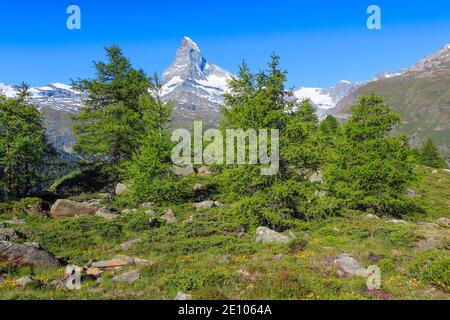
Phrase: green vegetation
[24,149]
[332,178]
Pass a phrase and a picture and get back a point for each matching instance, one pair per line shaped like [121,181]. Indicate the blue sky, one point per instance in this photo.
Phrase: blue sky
[320,42]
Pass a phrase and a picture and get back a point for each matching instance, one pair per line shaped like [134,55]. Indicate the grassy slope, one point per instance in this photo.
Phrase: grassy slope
[188,256]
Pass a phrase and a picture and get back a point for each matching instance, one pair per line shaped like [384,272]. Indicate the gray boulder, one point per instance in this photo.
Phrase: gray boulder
[121,188]
[316,177]
[66,208]
[183,296]
[8,234]
[207,204]
[183,171]
[127,277]
[23,255]
[348,265]
[24,281]
[204,172]
[169,216]
[107,214]
[445,222]
[265,235]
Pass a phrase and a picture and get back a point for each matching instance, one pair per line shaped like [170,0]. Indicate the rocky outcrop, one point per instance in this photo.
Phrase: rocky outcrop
[23,255]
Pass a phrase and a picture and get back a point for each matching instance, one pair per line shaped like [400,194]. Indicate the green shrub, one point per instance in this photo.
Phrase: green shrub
[139,222]
[78,233]
[432,267]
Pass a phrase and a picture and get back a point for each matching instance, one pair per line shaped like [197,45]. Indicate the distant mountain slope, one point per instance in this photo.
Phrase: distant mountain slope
[421,94]
[326,99]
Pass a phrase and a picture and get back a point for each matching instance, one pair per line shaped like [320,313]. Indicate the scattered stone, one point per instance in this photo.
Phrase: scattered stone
[105,196]
[66,208]
[395,221]
[129,244]
[127,277]
[445,222]
[204,172]
[434,172]
[147,205]
[121,261]
[8,234]
[320,194]
[328,248]
[22,255]
[2,278]
[110,264]
[241,234]
[371,216]
[199,187]
[121,188]
[150,212]
[94,272]
[208,204]
[316,177]
[15,221]
[128,211]
[411,193]
[224,259]
[183,171]
[107,214]
[33,245]
[24,281]
[169,216]
[427,224]
[247,275]
[347,265]
[432,237]
[265,235]
[182,296]
[279,257]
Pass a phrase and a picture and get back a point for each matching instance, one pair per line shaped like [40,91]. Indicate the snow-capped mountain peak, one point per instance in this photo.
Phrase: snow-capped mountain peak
[196,84]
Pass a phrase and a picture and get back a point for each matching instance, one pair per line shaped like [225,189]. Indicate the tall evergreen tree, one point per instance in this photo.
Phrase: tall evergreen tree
[111,125]
[150,167]
[24,148]
[262,101]
[373,167]
[429,155]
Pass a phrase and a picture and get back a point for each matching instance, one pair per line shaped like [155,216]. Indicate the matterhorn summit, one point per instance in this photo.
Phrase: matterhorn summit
[196,84]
